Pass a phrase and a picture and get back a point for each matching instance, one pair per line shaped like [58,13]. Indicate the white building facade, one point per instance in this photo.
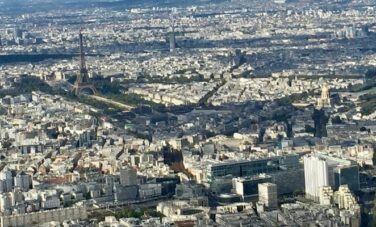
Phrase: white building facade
[316,175]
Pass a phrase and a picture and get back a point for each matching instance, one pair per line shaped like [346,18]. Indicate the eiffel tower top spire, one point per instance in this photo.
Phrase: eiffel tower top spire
[84,77]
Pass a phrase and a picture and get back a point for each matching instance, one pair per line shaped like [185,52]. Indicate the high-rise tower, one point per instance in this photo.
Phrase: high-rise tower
[316,175]
[321,170]
[172,39]
[83,84]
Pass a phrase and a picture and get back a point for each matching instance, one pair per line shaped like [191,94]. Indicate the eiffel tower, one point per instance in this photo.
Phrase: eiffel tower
[83,86]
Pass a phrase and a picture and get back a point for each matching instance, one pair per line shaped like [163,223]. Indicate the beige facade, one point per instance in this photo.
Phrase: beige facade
[326,195]
[58,215]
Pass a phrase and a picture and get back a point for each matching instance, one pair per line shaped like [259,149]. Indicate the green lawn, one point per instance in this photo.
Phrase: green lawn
[371,91]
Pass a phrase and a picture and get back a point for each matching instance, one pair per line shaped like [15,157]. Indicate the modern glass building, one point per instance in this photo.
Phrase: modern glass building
[246,168]
[347,175]
[248,186]
[326,170]
[342,171]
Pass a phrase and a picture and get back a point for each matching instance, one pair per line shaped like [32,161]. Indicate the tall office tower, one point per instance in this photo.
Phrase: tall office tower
[316,175]
[128,176]
[268,195]
[172,42]
[83,84]
[324,170]
[172,39]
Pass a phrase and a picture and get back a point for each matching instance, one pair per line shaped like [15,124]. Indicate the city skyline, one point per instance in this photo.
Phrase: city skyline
[187,113]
